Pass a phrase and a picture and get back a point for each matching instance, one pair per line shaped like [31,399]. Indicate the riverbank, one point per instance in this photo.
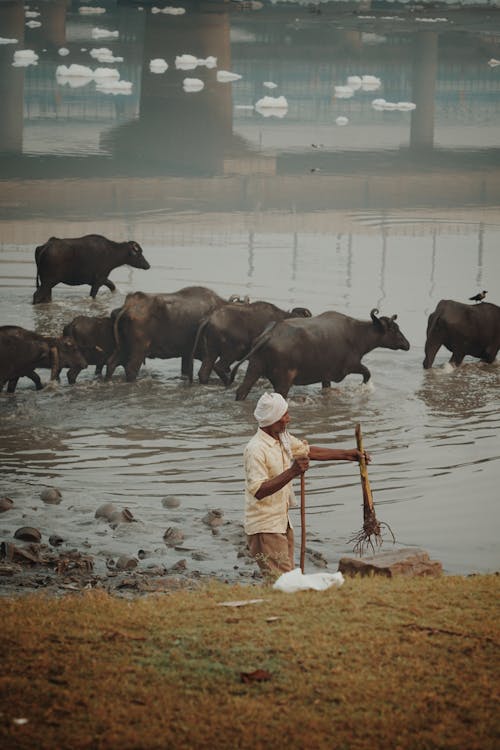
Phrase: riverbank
[377,663]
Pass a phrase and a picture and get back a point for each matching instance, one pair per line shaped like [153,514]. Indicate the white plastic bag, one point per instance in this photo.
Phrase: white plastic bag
[295,580]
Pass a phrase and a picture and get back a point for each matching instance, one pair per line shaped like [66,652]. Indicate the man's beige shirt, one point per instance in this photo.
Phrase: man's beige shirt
[265,458]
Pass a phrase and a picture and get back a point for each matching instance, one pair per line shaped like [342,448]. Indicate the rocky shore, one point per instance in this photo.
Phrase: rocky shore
[191,550]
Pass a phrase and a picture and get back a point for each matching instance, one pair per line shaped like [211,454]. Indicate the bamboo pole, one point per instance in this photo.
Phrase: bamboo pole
[368,507]
[302,521]
[370,534]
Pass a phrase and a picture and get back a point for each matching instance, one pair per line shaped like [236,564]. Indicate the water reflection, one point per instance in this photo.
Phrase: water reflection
[462,394]
[162,130]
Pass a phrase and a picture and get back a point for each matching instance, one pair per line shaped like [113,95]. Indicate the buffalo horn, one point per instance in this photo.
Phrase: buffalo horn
[374,313]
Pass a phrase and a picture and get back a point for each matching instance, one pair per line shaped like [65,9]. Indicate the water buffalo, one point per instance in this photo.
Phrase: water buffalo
[463,329]
[159,325]
[82,260]
[228,332]
[94,337]
[323,348]
[22,351]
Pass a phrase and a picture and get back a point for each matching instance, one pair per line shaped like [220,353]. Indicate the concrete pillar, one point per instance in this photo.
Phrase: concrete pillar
[173,123]
[12,79]
[423,90]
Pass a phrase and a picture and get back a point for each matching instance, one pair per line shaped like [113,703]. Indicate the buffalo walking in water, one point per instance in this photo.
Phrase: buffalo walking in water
[82,260]
[463,329]
[161,326]
[23,351]
[320,349]
[94,337]
[226,335]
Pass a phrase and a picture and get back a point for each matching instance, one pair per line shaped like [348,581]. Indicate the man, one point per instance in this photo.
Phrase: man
[272,458]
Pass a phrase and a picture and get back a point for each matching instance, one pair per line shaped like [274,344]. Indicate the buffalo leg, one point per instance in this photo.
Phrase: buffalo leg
[95,288]
[11,386]
[110,285]
[186,366]
[326,383]
[133,366]
[283,384]
[206,368]
[73,374]
[112,363]
[223,370]
[43,294]
[456,359]
[362,370]
[253,373]
[431,349]
[36,379]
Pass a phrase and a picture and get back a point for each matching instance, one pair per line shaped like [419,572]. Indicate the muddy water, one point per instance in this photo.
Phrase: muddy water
[303,213]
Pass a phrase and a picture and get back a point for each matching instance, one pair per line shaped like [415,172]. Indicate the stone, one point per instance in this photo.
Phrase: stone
[411,562]
[105,511]
[179,566]
[28,534]
[170,502]
[11,553]
[317,559]
[214,518]
[125,562]
[173,536]
[6,504]
[55,540]
[51,496]
[121,516]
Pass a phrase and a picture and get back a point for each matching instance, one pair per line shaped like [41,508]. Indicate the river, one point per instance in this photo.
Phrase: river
[396,209]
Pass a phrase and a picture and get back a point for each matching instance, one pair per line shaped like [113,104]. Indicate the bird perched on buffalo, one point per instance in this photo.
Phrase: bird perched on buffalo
[479,296]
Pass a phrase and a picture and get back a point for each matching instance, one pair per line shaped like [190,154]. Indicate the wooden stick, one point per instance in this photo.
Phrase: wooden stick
[368,507]
[302,521]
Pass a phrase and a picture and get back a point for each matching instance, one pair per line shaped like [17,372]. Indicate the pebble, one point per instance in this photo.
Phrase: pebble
[170,502]
[6,504]
[200,555]
[52,496]
[28,534]
[121,516]
[55,540]
[179,566]
[214,518]
[125,562]
[172,536]
[105,511]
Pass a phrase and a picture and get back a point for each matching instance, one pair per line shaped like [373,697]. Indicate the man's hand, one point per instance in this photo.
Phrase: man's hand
[300,465]
[361,454]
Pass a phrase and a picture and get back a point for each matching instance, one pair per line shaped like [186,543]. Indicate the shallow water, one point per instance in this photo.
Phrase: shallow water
[389,212]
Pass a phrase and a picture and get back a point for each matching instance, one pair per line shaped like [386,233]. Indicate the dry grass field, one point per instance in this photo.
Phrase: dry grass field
[378,663]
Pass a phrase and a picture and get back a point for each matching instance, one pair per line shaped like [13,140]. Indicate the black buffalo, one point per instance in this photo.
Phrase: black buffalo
[94,337]
[159,325]
[22,351]
[323,348]
[226,335]
[82,260]
[463,329]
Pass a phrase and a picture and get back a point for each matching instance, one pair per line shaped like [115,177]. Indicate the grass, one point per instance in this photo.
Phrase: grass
[378,663]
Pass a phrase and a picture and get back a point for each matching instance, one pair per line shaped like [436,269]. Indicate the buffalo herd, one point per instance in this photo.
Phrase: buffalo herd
[288,347]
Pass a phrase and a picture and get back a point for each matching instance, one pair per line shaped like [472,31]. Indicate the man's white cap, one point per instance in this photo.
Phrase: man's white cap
[270,408]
